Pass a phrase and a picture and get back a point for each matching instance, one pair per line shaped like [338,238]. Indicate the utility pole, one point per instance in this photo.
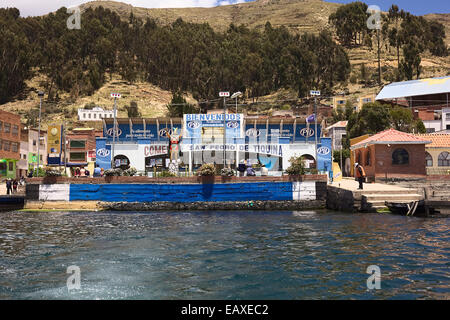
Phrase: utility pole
[379,57]
[315,94]
[115,96]
[224,94]
[40,94]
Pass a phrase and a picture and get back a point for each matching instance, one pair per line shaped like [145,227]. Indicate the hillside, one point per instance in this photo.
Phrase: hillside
[297,15]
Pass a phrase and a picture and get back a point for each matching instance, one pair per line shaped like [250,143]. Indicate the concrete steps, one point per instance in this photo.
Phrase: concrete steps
[375,200]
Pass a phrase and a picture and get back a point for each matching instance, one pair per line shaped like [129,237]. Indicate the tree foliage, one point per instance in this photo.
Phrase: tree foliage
[180,57]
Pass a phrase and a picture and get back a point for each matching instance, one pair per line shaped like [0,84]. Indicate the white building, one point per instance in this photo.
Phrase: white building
[95,114]
[441,121]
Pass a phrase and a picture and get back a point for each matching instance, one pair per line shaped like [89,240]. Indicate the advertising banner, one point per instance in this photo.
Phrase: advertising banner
[103,154]
[54,139]
[197,125]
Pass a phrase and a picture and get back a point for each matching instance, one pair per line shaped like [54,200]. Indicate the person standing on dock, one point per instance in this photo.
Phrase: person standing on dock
[8,186]
[360,175]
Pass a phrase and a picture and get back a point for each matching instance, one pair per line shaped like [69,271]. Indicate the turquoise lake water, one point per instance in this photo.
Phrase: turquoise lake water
[223,255]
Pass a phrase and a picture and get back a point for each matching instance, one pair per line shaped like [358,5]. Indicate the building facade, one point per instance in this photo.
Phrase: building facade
[95,114]
[391,154]
[80,148]
[437,153]
[144,144]
[29,150]
[337,132]
[9,144]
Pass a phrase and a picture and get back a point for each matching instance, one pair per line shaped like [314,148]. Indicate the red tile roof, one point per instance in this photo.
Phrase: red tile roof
[438,140]
[391,136]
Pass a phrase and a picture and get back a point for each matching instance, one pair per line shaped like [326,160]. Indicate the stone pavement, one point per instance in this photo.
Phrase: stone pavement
[352,185]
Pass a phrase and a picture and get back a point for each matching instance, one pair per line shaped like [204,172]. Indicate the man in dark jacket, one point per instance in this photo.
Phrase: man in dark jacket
[8,186]
[360,175]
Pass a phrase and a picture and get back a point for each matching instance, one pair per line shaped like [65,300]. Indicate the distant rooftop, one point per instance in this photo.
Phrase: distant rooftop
[413,88]
[391,136]
[439,140]
[339,124]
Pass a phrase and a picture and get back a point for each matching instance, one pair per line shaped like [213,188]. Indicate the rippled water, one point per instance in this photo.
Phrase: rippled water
[223,255]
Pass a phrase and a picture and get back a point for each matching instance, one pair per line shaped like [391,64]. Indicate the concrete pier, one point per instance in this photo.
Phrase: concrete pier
[345,196]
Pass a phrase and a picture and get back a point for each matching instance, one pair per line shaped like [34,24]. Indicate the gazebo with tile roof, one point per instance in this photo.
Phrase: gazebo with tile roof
[392,154]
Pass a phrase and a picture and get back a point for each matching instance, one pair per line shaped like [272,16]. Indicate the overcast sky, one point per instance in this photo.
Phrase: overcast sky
[40,7]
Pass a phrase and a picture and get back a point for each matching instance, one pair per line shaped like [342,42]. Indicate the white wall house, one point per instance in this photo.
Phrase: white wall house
[96,114]
[440,124]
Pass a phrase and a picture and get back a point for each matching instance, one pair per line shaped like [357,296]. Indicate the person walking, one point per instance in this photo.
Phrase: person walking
[8,186]
[360,175]
[241,168]
[14,185]
[264,170]
[97,171]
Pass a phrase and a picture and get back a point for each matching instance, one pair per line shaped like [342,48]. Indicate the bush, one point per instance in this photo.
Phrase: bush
[297,166]
[50,172]
[114,172]
[227,172]
[207,169]
[130,172]
[166,174]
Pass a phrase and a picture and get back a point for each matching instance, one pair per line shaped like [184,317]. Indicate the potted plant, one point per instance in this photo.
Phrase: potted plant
[206,173]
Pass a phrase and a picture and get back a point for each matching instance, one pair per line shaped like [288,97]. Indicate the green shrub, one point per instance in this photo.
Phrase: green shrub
[130,172]
[207,169]
[117,172]
[227,172]
[166,174]
[297,166]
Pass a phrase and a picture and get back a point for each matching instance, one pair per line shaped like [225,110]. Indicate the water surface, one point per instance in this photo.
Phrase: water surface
[223,255]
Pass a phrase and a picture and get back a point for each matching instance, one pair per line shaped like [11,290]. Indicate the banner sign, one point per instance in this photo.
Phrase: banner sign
[268,149]
[126,133]
[54,140]
[198,125]
[156,150]
[103,154]
[274,133]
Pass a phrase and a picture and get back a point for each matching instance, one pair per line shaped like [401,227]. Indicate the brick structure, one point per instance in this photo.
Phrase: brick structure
[9,144]
[81,147]
[391,154]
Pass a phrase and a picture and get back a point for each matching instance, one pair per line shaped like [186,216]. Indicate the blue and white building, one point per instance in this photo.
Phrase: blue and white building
[143,143]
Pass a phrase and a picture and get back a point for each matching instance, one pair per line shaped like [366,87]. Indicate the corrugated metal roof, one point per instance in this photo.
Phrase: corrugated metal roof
[339,124]
[391,136]
[415,88]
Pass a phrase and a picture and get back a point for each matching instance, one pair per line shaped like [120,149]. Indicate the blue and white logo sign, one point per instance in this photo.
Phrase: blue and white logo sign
[103,152]
[110,131]
[307,132]
[323,150]
[193,124]
[252,133]
[233,124]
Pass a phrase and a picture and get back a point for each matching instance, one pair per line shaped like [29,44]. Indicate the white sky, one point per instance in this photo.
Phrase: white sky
[40,7]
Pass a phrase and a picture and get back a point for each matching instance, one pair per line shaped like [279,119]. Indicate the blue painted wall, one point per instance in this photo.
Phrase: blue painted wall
[182,192]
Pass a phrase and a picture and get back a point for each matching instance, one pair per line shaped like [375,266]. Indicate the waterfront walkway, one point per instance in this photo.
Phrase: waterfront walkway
[344,195]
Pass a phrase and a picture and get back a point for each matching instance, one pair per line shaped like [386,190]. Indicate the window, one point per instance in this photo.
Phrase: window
[430,130]
[444,159]
[34,142]
[11,166]
[7,127]
[24,156]
[14,147]
[6,145]
[89,115]
[400,157]
[358,157]
[447,116]
[15,130]
[77,156]
[367,100]
[77,144]
[368,158]
[428,160]
[1,126]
